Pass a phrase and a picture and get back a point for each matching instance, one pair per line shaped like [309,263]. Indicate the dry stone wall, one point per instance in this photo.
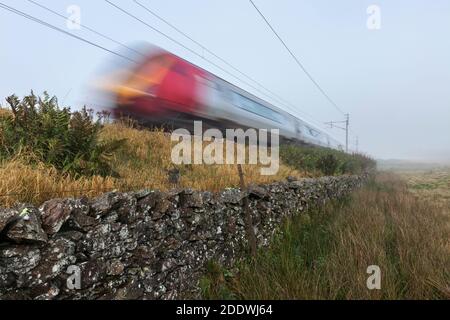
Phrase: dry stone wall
[142,245]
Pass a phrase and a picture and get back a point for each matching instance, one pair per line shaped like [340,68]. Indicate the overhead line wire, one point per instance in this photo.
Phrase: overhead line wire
[86,27]
[48,25]
[297,60]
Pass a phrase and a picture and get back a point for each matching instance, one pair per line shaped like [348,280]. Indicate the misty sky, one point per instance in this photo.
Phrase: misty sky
[395,82]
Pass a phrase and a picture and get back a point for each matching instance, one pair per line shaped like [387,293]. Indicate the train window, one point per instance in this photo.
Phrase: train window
[178,68]
[314,133]
[257,108]
[213,85]
[207,82]
[299,127]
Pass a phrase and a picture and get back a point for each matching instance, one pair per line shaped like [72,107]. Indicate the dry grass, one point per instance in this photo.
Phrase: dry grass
[143,162]
[147,159]
[24,183]
[4,113]
[325,254]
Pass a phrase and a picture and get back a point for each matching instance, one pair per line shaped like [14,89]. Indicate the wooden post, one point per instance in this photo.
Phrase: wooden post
[251,238]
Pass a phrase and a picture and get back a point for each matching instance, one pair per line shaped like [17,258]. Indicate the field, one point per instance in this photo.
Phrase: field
[432,185]
[325,253]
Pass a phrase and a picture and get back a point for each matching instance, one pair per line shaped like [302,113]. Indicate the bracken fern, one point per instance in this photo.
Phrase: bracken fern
[68,141]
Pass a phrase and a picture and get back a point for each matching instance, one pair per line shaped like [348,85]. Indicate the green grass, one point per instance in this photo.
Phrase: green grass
[324,160]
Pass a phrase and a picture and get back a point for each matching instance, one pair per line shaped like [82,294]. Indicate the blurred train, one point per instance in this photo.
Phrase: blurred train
[166,90]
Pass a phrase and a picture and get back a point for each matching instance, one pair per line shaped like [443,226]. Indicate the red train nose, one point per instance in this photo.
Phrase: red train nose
[142,106]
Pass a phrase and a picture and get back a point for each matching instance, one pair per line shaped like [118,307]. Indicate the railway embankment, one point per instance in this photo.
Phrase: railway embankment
[145,244]
[47,151]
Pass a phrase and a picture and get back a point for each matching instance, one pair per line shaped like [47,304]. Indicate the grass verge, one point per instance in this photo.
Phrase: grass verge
[325,253]
[143,162]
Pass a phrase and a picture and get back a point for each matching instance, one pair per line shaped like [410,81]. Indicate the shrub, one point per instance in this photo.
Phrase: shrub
[328,164]
[327,161]
[67,140]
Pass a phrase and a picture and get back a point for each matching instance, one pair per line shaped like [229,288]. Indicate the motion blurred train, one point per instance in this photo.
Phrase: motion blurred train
[166,90]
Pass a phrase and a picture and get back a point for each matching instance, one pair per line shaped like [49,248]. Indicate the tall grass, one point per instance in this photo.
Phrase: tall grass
[146,159]
[325,254]
[22,182]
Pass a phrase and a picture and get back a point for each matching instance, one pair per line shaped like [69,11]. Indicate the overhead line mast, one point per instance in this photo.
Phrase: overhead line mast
[346,122]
